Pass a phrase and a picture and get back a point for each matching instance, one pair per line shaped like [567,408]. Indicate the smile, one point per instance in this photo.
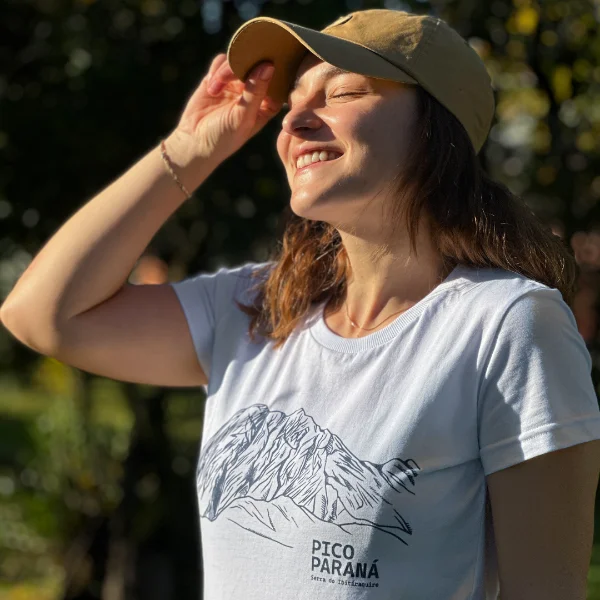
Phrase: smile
[314,158]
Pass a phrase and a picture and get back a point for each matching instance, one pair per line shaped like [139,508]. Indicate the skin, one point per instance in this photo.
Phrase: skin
[370,121]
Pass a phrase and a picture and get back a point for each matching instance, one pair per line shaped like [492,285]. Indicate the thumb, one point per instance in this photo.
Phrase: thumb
[268,109]
[255,90]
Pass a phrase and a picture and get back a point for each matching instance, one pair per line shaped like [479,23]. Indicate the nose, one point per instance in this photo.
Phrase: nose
[300,118]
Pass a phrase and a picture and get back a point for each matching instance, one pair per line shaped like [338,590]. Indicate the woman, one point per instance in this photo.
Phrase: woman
[412,415]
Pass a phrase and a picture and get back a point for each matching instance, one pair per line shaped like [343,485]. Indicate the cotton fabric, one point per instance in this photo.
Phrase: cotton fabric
[356,468]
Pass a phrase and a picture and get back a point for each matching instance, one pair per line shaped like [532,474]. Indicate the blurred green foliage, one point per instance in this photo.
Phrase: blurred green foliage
[97,477]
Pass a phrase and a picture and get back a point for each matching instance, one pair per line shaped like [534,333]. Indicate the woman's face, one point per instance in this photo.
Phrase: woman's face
[364,125]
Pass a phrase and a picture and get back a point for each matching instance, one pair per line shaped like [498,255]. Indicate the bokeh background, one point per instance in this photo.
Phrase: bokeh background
[97,495]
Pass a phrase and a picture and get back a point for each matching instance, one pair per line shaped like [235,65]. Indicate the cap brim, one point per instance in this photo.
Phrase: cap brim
[285,44]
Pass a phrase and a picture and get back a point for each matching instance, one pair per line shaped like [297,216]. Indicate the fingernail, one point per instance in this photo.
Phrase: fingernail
[266,72]
[213,87]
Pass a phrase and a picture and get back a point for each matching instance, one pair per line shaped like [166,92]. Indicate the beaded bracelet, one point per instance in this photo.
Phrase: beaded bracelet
[169,165]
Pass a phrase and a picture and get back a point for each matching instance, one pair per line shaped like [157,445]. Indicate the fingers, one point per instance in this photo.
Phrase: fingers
[267,106]
[216,63]
[268,109]
[258,108]
[255,88]
[221,76]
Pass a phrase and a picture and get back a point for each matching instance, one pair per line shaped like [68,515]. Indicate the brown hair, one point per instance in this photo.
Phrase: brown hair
[473,220]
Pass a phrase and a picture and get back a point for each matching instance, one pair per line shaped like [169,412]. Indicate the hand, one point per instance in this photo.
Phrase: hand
[224,112]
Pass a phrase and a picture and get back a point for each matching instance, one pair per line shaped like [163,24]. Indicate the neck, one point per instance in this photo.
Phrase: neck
[378,287]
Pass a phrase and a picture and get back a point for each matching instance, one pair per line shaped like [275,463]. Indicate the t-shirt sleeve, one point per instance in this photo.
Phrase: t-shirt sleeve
[205,298]
[536,393]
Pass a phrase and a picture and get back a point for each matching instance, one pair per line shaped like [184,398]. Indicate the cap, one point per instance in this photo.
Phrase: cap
[380,43]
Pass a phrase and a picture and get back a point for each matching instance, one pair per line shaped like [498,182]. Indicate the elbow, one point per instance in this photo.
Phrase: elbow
[27,330]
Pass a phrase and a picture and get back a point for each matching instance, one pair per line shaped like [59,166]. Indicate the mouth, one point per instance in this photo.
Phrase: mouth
[332,157]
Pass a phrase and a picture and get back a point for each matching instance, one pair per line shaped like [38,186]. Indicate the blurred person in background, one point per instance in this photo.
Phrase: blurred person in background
[399,404]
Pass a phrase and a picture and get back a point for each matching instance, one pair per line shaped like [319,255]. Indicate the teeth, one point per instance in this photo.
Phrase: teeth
[307,159]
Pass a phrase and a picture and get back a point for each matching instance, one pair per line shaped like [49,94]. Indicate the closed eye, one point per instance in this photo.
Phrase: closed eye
[286,106]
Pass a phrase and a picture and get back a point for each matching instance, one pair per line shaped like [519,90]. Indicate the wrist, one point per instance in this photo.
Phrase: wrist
[191,168]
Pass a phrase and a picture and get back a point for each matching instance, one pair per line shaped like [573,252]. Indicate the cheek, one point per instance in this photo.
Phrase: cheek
[385,137]
[283,144]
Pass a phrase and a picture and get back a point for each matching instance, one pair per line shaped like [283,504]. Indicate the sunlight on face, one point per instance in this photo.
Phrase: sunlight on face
[361,126]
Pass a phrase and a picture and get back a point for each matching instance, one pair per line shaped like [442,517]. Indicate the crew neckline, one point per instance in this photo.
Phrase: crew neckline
[327,338]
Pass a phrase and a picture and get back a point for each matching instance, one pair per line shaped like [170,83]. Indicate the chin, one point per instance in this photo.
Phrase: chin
[328,207]
[308,207]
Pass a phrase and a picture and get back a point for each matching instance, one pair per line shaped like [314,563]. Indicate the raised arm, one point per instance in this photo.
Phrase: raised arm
[74,303]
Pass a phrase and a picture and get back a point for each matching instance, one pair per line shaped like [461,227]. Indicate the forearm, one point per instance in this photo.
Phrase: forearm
[91,256]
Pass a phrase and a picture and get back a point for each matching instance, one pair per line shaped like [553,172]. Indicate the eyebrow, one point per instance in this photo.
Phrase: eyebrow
[328,72]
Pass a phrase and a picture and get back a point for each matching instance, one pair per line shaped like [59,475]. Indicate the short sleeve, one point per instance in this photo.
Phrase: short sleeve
[536,394]
[205,298]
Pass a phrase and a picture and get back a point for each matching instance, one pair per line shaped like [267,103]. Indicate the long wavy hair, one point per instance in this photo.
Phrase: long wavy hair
[473,220]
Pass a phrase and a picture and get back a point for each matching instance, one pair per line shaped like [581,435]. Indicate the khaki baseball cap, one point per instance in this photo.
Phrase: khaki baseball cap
[380,43]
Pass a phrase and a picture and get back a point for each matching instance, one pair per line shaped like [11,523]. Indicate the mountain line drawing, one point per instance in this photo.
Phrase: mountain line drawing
[269,472]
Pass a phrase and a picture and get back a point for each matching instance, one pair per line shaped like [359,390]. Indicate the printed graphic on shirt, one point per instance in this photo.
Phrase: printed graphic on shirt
[274,474]
[329,558]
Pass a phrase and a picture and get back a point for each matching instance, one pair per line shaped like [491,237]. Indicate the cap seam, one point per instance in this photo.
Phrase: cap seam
[387,60]
[426,41]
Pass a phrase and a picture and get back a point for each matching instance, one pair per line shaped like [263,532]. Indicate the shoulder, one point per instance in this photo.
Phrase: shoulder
[215,289]
[525,324]
[229,277]
[241,283]
[247,277]
[495,281]
[498,294]
[505,314]
[247,270]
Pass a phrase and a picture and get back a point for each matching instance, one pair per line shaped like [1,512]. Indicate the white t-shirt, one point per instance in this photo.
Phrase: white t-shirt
[355,468]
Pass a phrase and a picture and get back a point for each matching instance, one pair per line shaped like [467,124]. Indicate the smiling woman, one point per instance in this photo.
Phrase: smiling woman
[399,403]
[366,122]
